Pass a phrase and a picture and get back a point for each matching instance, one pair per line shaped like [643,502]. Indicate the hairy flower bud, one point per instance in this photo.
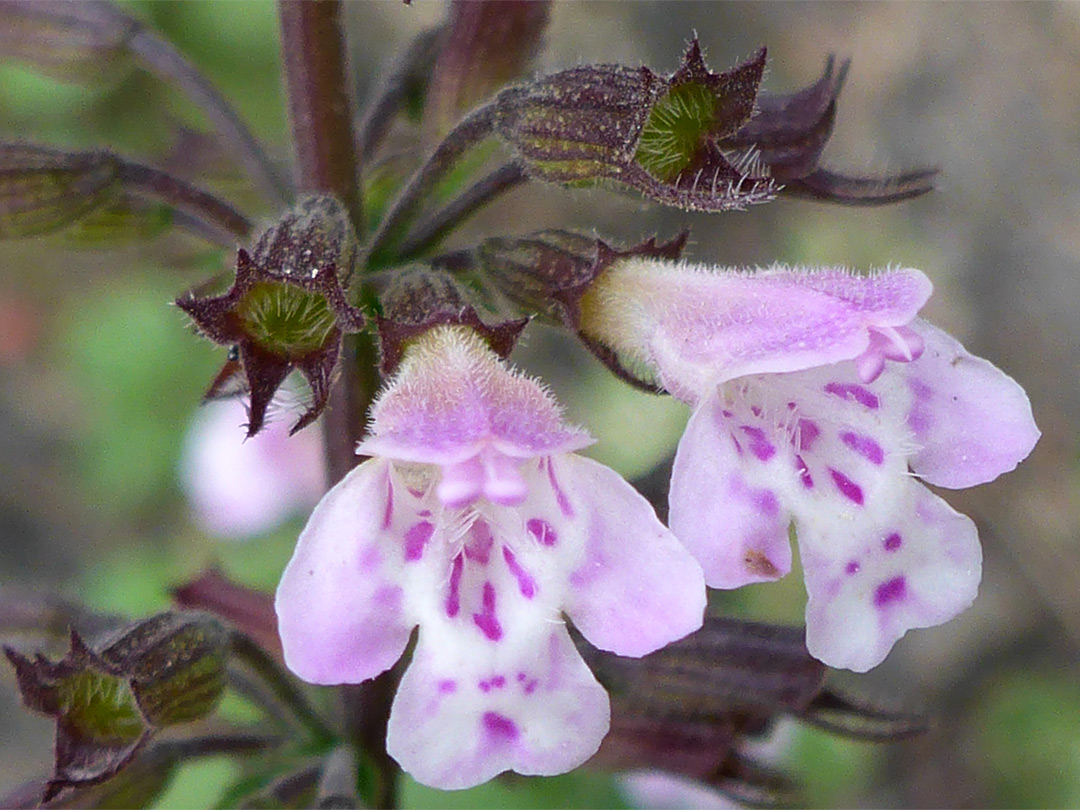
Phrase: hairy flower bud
[422,298]
[286,309]
[43,190]
[654,134]
[110,699]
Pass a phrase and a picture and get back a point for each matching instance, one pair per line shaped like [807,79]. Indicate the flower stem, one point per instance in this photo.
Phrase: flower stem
[469,132]
[431,230]
[313,52]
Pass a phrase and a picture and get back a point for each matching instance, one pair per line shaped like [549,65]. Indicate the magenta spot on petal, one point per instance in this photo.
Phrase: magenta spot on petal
[388,515]
[387,597]
[370,559]
[485,686]
[486,619]
[453,599]
[766,503]
[759,445]
[542,531]
[893,541]
[857,393]
[499,725]
[416,538]
[727,414]
[530,687]
[424,513]
[864,446]
[807,432]
[478,547]
[848,488]
[521,676]
[852,568]
[447,686]
[755,410]
[498,682]
[560,496]
[526,584]
[804,473]
[891,590]
[738,447]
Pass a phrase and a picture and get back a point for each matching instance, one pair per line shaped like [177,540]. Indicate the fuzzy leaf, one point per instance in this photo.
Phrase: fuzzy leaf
[43,190]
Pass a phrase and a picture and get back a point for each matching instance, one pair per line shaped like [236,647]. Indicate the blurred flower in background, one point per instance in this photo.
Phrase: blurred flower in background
[238,487]
[657,790]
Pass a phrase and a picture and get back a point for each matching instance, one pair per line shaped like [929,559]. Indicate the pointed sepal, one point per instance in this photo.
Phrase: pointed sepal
[653,134]
[109,699]
[286,309]
[551,274]
[423,298]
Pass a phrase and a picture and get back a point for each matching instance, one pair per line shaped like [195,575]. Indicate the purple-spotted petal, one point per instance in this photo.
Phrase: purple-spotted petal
[465,713]
[339,603]
[735,526]
[972,421]
[636,587]
[918,565]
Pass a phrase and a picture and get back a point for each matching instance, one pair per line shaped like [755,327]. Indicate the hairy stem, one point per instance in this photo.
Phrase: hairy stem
[469,132]
[282,689]
[430,231]
[410,68]
[313,49]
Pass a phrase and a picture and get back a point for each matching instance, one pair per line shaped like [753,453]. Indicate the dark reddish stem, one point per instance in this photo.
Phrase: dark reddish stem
[313,54]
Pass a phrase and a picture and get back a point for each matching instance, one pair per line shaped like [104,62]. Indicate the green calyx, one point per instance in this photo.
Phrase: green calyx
[675,129]
[101,707]
[284,319]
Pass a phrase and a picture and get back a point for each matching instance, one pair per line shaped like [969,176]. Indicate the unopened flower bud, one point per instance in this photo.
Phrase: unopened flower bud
[109,699]
[286,309]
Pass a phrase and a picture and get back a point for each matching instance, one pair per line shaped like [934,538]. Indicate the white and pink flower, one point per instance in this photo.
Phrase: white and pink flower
[475,520]
[816,394]
[240,487]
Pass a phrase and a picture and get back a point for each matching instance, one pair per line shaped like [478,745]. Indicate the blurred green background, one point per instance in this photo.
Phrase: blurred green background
[99,376]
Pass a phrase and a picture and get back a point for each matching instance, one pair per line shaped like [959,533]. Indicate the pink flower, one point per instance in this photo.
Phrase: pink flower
[242,487]
[816,393]
[658,790]
[475,521]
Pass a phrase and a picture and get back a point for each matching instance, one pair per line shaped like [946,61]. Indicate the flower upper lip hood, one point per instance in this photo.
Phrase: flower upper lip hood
[697,326]
[452,400]
[474,521]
